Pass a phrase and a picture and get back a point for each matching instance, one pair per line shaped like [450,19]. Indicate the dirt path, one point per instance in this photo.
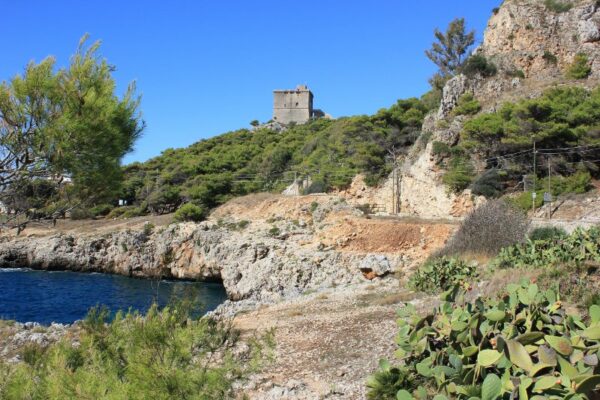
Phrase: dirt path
[327,343]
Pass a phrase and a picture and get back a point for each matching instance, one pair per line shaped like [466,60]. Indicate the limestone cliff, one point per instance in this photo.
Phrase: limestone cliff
[532,46]
[262,249]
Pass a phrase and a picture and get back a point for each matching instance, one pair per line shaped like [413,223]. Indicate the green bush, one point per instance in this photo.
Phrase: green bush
[488,184]
[440,274]
[547,233]
[274,231]
[479,64]
[101,210]
[148,229]
[440,149]
[125,212]
[467,105]
[524,201]
[580,68]
[515,73]
[81,213]
[550,57]
[190,212]
[459,174]
[523,344]
[579,182]
[558,6]
[166,354]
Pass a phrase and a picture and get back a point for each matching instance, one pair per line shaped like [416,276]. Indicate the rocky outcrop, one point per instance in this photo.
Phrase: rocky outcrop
[258,263]
[524,35]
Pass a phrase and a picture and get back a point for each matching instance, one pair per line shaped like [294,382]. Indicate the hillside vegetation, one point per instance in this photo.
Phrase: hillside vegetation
[331,152]
[563,122]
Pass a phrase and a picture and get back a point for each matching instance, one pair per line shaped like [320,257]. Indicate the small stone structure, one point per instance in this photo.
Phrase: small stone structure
[295,105]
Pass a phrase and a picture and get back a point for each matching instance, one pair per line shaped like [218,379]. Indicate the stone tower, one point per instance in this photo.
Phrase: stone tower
[294,105]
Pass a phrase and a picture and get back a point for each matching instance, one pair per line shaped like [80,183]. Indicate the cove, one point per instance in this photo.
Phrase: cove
[64,297]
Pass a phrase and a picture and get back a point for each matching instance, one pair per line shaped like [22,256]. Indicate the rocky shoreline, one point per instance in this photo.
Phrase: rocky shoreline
[264,261]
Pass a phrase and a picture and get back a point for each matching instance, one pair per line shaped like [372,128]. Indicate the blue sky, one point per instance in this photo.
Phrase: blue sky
[208,67]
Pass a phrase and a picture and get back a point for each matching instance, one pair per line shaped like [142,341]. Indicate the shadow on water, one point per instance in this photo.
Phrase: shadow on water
[62,296]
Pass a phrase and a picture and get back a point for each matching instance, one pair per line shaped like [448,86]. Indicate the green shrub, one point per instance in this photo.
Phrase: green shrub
[524,201]
[101,210]
[274,231]
[439,274]
[167,353]
[558,6]
[489,228]
[148,229]
[316,187]
[488,184]
[313,206]
[81,213]
[190,212]
[459,174]
[479,64]
[125,212]
[467,105]
[524,344]
[550,57]
[547,233]
[515,73]
[579,182]
[580,68]
[132,212]
[440,149]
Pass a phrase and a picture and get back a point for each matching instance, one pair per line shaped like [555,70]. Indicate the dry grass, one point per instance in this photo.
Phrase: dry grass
[294,313]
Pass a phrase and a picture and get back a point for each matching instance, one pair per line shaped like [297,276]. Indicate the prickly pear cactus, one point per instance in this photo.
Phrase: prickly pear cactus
[522,346]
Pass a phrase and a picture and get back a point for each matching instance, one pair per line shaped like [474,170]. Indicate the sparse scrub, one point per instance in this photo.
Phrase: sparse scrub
[274,231]
[101,210]
[550,57]
[515,73]
[580,68]
[190,212]
[547,233]
[148,229]
[459,174]
[467,105]
[487,230]
[558,6]
[524,200]
[489,184]
[479,64]
[81,213]
[165,354]
[439,274]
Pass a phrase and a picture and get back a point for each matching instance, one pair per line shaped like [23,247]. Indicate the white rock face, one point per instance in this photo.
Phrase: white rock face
[251,265]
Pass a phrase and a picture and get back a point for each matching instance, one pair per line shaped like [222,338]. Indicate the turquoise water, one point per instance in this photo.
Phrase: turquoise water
[64,297]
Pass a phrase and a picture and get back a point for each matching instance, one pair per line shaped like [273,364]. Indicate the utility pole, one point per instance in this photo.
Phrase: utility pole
[549,187]
[296,183]
[534,194]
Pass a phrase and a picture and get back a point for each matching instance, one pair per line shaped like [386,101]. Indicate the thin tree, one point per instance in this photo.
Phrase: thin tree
[450,51]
